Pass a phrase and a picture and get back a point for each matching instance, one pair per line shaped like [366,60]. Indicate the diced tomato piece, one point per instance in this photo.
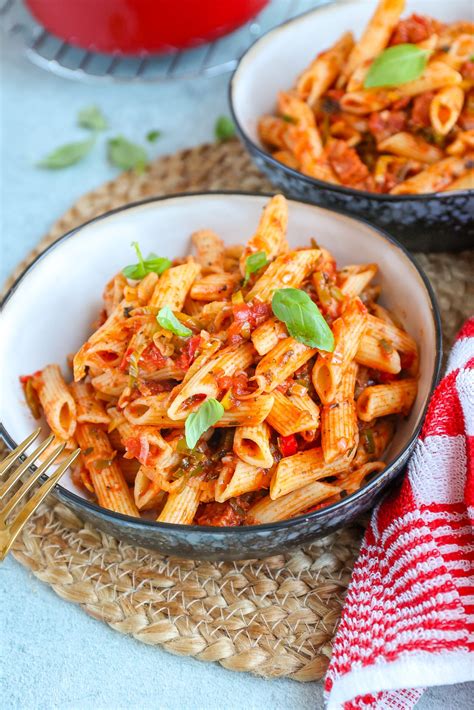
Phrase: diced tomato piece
[240,384]
[224,382]
[188,354]
[347,165]
[383,124]
[414,29]
[420,112]
[219,515]
[288,445]
[260,312]
[152,359]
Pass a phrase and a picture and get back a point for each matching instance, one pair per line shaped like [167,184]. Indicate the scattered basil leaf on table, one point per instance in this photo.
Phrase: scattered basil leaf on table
[302,318]
[67,154]
[201,420]
[224,128]
[167,319]
[152,136]
[397,65]
[92,118]
[127,155]
[154,263]
[254,263]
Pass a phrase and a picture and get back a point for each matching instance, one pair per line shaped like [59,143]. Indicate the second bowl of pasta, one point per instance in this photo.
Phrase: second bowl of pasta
[242,373]
[368,107]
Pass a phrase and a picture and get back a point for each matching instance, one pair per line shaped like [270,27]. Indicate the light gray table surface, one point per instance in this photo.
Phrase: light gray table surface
[52,654]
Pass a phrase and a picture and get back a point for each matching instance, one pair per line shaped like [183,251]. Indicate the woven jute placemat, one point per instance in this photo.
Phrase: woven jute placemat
[274,617]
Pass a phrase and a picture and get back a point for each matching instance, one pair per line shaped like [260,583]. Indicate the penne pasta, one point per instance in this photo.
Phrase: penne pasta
[375,36]
[300,470]
[323,71]
[445,109]
[330,367]
[56,400]
[210,412]
[269,510]
[109,483]
[252,445]
[270,233]
[287,271]
[382,400]
[210,251]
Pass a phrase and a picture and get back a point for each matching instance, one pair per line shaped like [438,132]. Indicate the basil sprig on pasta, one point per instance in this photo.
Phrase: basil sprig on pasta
[397,65]
[153,263]
[167,319]
[302,318]
[254,263]
[201,420]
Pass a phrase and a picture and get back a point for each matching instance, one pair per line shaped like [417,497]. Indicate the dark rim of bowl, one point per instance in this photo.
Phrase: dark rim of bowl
[281,524]
[314,182]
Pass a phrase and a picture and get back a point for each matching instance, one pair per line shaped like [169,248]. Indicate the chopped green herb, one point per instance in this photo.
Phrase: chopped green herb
[127,155]
[289,119]
[369,443]
[224,128]
[385,345]
[102,463]
[68,154]
[87,451]
[254,263]
[397,65]
[92,118]
[201,420]
[168,320]
[153,136]
[153,263]
[303,318]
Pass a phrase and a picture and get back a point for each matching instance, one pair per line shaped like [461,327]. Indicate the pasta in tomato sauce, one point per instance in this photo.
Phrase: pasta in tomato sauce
[274,392]
[354,118]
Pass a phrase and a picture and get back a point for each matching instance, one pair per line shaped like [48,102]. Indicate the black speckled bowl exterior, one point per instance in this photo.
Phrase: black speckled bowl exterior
[253,541]
[428,223]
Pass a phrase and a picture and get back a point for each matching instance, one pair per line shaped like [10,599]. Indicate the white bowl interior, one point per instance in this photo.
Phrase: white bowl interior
[275,61]
[50,312]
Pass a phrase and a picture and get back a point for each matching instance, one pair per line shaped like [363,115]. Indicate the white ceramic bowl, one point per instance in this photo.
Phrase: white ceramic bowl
[428,222]
[48,313]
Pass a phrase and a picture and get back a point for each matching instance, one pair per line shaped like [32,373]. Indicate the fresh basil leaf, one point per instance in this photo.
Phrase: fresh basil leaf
[67,154]
[157,264]
[302,318]
[127,155]
[167,319]
[154,263]
[92,118]
[201,420]
[224,128]
[471,58]
[254,263]
[152,136]
[397,65]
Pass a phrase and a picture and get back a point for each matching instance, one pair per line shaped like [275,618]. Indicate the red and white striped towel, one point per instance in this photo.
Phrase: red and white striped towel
[408,620]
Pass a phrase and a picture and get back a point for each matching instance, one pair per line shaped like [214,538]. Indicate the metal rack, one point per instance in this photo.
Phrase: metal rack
[50,53]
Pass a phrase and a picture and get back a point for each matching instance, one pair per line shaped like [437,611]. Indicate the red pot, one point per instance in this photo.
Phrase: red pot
[136,26]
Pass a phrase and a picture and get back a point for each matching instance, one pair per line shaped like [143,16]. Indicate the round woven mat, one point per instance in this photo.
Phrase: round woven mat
[273,617]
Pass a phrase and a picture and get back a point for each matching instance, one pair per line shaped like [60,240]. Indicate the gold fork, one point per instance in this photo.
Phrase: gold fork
[9,528]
